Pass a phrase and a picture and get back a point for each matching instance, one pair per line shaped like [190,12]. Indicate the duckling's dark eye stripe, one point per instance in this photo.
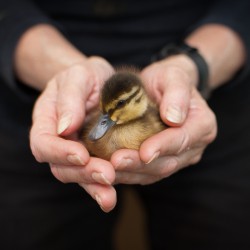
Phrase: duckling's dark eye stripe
[139,98]
[133,95]
[112,110]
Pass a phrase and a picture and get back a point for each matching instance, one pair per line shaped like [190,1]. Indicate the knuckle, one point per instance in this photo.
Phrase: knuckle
[38,158]
[171,165]
[76,68]
[56,171]
[195,159]
[36,152]
[211,128]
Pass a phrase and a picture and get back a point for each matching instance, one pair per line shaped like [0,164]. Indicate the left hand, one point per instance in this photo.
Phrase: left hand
[171,82]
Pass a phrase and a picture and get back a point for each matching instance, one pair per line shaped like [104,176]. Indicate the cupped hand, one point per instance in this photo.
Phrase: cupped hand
[59,112]
[192,126]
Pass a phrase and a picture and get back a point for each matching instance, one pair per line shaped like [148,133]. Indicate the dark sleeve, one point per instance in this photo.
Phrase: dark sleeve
[235,15]
[16,16]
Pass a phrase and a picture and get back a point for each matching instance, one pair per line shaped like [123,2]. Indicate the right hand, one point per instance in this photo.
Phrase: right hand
[59,112]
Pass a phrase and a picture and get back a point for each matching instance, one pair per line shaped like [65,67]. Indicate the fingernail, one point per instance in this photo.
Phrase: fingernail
[75,159]
[174,114]
[155,155]
[100,178]
[64,124]
[99,201]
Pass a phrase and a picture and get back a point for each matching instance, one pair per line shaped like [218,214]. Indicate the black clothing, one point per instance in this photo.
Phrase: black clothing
[124,31]
[201,207]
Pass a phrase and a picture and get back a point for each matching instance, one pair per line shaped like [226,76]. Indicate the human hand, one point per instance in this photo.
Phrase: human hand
[59,112]
[193,126]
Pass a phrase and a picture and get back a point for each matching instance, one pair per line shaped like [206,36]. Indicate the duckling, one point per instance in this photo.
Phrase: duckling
[127,117]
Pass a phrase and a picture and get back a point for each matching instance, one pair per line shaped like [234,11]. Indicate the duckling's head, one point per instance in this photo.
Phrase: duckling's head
[123,99]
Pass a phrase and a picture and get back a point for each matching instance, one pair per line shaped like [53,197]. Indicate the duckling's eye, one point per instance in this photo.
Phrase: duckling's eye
[104,122]
[120,103]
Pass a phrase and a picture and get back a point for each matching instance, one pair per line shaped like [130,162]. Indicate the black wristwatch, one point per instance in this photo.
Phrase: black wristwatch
[193,53]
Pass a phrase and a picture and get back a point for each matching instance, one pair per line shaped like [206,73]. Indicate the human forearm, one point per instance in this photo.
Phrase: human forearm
[41,53]
[222,49]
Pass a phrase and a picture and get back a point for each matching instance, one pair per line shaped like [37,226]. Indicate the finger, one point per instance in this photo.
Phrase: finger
[168,142]
[96,171]
[128,162]
[45,144]
[159,169]
[102,68]
[198,129]
[53,149]
[148,173]
[190,157]
[176,97]
[171,141]
[126,159]
[103,194]
[135,178]
[74,88]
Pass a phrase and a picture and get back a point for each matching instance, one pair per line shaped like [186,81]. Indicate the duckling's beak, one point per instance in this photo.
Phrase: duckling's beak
[103,125]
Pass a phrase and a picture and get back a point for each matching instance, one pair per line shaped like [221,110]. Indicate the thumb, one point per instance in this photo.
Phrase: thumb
[74,89]
[175,102]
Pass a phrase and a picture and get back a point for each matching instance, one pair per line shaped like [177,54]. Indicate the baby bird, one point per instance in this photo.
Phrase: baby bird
[127,117]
